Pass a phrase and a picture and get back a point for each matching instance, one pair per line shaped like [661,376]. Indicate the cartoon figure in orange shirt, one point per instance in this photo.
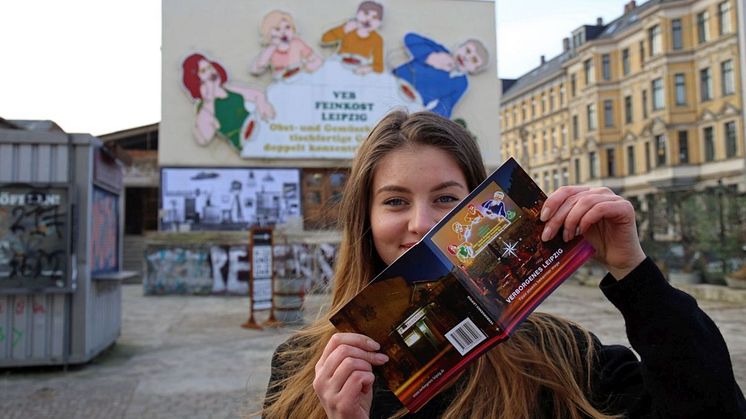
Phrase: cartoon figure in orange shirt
[285,53]
[360,46]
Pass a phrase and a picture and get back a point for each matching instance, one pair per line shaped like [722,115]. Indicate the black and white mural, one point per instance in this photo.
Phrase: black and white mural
[228,199]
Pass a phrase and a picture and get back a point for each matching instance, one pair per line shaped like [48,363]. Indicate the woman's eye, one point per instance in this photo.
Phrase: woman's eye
[447,199]
[394,202]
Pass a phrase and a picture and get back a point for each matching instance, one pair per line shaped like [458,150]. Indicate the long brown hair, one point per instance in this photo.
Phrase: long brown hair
[547,356]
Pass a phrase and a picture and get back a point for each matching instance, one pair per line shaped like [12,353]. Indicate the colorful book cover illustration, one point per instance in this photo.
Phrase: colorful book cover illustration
[464,287]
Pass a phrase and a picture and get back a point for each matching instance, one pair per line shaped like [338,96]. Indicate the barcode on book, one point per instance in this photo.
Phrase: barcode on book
[465,336]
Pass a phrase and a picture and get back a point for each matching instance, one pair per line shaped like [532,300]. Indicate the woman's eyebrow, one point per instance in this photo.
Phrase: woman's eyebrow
[392,188]
[446,185]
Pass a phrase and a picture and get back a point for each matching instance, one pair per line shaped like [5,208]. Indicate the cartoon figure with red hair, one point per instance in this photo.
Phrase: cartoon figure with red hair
[221,108]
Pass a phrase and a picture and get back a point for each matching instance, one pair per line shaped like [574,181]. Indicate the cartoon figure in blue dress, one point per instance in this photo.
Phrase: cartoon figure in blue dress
[437,77]
[495,207]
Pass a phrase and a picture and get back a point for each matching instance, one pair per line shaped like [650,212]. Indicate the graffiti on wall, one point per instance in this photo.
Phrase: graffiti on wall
[315,263]
[197,270]
[104,232]
[225,269]
[33,237]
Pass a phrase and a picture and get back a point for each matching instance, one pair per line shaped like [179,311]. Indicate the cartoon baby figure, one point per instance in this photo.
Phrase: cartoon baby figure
[436,76]
[360,45]
[465,252]
[220,103]
[285,53]
[495,207]
[473,216]
[463,232]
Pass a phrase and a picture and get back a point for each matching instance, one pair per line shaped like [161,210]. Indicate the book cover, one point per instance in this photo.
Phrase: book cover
[464,287]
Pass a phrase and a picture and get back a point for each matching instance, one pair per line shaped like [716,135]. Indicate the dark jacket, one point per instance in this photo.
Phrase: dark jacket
[684,371]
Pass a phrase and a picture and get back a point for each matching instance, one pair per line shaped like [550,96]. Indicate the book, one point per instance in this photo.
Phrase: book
[464,287]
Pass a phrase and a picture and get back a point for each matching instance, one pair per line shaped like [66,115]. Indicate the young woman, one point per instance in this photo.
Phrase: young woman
[408,173]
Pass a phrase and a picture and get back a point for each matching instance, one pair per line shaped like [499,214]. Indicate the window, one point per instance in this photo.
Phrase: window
[573,85]
[554,138]
[551,100]
[680,82]
[630,159]
[676,39]
[543,103]
[592,162]
[644,103]
[606,66]
[702,22]
[654,38]
[523,112]
[705,84]
[608,113]
[591,114]
[628,109]
[625,61]
[555,179]
[322,193]
[642,53]
[565,177]
[724,17]
[660,150]
[726,77]
[577,170]
[575,133]
[657,88]
[533,108]
[730,139]
[647,157]
[684,146]
[610,162]
[544,142]
[564,136]
[546,181]
[587,71]
[709,144]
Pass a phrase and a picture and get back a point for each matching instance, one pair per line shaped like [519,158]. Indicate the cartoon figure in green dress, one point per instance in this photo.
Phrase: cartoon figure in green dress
[221,105]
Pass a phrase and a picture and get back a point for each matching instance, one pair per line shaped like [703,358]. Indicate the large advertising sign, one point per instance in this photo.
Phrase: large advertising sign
[317,94]
[227,199]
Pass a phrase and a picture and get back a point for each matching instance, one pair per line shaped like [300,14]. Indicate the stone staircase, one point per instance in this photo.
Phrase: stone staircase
[134,254]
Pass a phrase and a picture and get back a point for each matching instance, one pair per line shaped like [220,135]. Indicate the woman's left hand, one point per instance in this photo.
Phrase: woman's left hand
[605,219]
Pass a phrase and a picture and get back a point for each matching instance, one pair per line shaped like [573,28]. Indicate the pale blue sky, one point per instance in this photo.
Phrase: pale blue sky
[94,66]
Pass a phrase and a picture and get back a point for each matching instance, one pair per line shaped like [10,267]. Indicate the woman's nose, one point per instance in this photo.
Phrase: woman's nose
[423,219]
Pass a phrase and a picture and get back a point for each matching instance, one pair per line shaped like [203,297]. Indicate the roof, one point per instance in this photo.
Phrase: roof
[553,67]
[623,22]
[36,125]
[544,72]
[130,132]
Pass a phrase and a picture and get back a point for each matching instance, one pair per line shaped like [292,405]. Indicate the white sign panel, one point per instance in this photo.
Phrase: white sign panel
[261,261]
[324,114]
[261,297]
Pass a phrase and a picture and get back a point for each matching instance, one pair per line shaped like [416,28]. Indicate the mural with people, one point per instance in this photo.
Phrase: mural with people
[323,104]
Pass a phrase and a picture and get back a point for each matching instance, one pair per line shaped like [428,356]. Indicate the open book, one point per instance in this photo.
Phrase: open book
[464,287]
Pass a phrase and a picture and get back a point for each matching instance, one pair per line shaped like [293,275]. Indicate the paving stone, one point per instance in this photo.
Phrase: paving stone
[188,357]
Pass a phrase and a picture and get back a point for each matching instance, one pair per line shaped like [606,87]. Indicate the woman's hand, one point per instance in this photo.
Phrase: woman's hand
[605,219]
[344,375]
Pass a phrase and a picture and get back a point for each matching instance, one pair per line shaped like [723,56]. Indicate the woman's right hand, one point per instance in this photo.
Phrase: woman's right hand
[344,375]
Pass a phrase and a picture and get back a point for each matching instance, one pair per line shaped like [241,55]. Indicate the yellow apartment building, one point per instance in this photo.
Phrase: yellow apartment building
[647,104]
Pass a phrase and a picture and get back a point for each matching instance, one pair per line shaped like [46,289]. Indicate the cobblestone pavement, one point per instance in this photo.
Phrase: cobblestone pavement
[187,357]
